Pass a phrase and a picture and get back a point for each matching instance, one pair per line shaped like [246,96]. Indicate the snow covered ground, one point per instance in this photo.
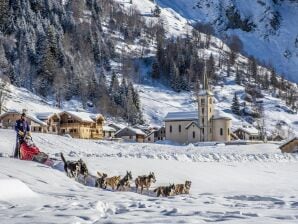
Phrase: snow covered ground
[235,184]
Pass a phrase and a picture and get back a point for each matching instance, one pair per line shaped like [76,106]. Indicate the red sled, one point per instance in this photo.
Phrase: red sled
[29,151]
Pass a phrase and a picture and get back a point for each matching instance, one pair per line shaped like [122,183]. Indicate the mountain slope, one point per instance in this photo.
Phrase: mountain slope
[268,29]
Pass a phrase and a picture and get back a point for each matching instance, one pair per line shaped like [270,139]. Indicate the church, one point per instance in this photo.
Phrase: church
[204,125]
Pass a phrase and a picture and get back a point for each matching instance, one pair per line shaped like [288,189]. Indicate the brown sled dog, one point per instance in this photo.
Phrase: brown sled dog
[75,168]
[125,181]
[145,181]
[183,188]
[112,181]
[100,181]
[165,191]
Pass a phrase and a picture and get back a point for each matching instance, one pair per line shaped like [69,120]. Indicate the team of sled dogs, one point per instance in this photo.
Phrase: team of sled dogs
[76,168]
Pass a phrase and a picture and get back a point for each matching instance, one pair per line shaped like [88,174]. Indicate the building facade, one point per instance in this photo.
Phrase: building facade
[202,125]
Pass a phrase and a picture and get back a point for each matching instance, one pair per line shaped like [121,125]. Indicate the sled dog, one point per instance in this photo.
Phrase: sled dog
[145,181]
[165,191]
[183,188]
[74,168]
[125,181]
[100,181]
[112,181]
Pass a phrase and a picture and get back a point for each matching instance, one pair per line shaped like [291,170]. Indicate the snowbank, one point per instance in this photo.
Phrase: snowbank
[12,189]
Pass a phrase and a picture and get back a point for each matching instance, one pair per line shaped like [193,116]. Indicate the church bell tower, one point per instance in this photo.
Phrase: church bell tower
[205,110]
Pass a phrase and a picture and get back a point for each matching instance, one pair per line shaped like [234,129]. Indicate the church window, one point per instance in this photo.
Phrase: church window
[210,109]
[203,121]
[171,128]
[202,101]
[210,130]
[203,110]
[221,131]
[228,131]
[210,100]
[179,128]
[202,130]
[193,134]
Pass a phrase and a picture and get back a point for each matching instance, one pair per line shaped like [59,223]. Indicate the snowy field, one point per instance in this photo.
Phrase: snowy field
[234,184]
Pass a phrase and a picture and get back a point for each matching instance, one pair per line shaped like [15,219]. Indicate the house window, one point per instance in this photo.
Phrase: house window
[149,139]
[210,100]
[203,130]
[110,133]
[130,137]
[210,130]
[202,101]
[221,132]
[171,128]
[210,109]
[179,128]
[193,134]
[228,131]
[203,110]
[203,121]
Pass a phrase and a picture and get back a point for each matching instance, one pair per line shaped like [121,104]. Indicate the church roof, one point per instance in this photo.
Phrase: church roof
[193,116]
[182,116]
[193,122]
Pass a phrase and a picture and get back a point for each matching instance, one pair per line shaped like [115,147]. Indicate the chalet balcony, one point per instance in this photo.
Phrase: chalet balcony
[71,125]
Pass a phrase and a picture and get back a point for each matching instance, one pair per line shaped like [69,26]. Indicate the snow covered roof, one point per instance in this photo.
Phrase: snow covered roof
[118,126]
[83,116]
[28,115]
[134,130]
[182,116]
[249,129]
[44,115]
[218,114]
[193,116]
[108,128]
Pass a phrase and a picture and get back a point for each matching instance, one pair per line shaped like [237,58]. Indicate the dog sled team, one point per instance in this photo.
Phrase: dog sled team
[74,169]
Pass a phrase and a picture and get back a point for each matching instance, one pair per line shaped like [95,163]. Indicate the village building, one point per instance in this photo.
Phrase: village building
[78,124]
[108,132]
[198,126]
[248,133]
[290,146]
[131,134]
[8,120]
[117,127]
[156,134]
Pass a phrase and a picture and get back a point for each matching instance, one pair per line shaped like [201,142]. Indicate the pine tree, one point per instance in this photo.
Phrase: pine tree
[155,74]
[273,78]
[115,90]
[235,105]
[4,15]
[238,76]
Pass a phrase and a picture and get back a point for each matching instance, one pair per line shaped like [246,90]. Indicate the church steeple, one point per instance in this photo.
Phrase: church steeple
[205,78]
[205,109]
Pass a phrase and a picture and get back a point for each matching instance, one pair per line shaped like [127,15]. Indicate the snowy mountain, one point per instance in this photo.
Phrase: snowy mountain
[157,98]
[267,28]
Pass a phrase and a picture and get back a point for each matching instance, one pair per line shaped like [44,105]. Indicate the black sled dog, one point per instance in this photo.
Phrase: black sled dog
[75,168]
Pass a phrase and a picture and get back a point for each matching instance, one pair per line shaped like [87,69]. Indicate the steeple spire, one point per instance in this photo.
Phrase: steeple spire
[205,78]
